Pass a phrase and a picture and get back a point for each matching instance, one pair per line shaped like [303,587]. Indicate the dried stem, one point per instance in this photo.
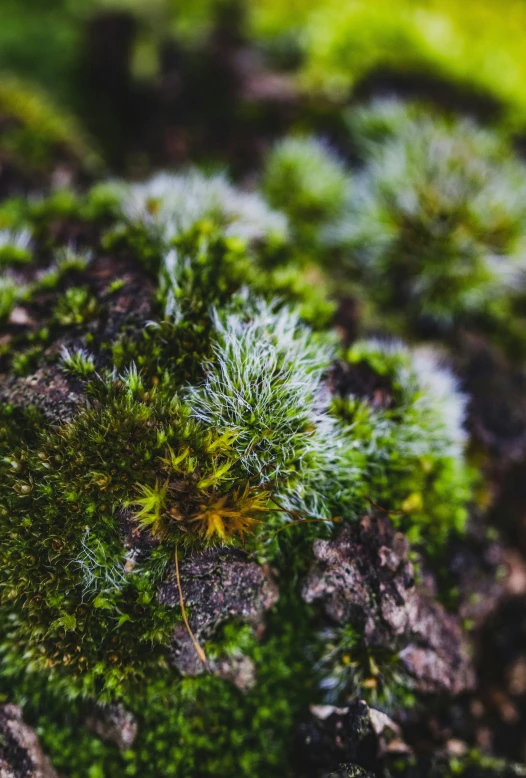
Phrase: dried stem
[200,653]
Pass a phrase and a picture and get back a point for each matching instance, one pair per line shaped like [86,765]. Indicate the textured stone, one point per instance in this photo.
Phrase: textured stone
[218,585]
[364,576]
[20,753]
[114,724]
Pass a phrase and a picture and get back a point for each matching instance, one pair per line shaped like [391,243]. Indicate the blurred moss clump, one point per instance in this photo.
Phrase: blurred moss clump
[36,137]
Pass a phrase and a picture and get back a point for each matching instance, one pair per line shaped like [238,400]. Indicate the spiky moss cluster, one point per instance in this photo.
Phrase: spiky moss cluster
[436,222]
[410,423]
[172,221]
[307,181]
[253,442]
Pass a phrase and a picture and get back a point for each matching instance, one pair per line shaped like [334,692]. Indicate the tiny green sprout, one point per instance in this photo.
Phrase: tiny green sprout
[349,668]
[69,259]
[76,306]
[9,294]
[133,381]
[77,362]
[14,248]
[116,285]
[26,361]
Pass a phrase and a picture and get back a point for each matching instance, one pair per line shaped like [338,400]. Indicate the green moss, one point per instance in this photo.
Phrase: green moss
[195,726]
[436,227]
[37,133]
[411,425]
[350,669]
[214,424]
[76,306]
[25,362]
[304,179]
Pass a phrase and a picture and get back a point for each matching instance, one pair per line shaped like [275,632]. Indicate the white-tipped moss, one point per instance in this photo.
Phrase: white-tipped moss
[72,258]
[436,223]
[410,424]
[99,574]
[16,239]
[77,362]
[169,205]
[264,383]
[427,393]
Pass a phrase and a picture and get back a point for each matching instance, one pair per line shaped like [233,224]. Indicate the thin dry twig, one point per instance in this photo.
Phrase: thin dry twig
[384,510]
[200,653]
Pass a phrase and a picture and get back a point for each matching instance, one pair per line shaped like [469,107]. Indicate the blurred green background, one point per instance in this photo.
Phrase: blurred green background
[129,71]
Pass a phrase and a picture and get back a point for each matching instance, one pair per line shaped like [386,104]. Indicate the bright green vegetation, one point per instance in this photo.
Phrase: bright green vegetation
[234,417]
[437,225]
[307,181]
[36,133]
[470,45]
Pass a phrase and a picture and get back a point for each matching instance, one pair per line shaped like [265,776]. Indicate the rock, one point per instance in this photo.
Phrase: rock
[336,736]
[350,771]
[389,734]
[20,753]
[365,576]
[218,585]
[54,394]
[478,570]
[115,724]
[239,670]
[497,388]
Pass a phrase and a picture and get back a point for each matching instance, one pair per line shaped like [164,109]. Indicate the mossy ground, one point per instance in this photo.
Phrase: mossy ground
[169,370]
[82,624]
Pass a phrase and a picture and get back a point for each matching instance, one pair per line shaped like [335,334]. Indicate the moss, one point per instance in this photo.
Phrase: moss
[349,669]
[304,179]
[194,726]
[221,422]
[37,134]
[409,415]
[436,228]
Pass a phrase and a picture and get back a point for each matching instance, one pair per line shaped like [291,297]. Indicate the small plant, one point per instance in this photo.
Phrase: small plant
[14,248]
[75,306]
[70,259]
[349,669]
[10,294]
[435,224]
[78,362]
[25,361]
[306,180]
[201,493]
